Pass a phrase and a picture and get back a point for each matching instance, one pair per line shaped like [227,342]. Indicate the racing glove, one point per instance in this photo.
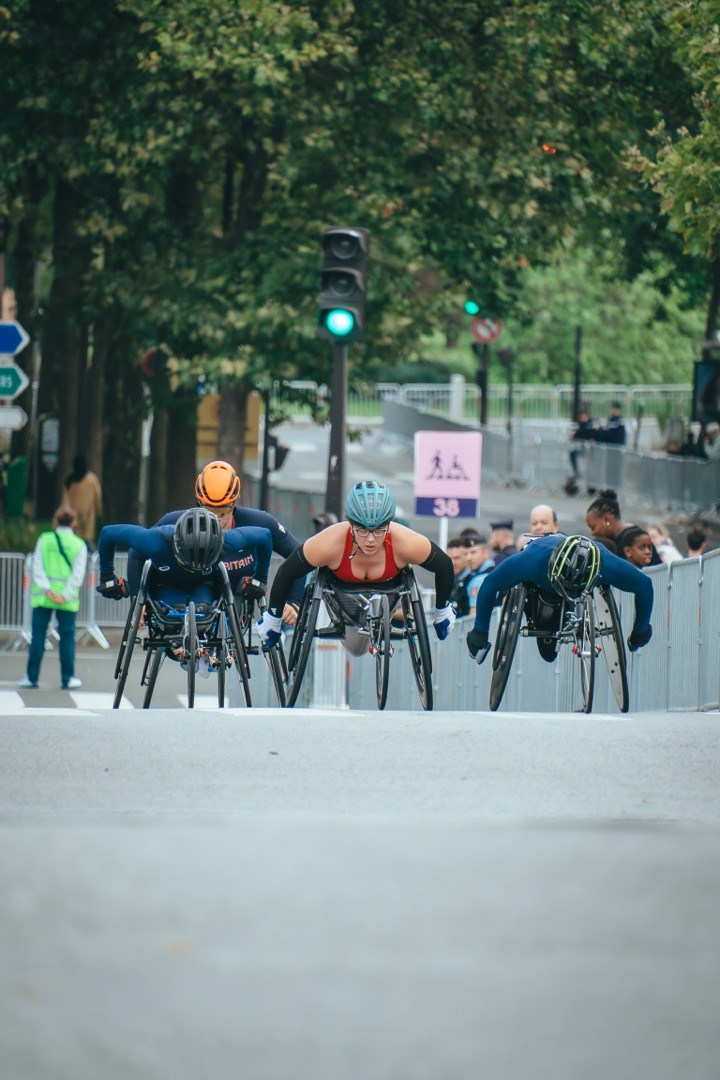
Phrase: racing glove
[252,588]
[478,645]
[111,587]
[444,620]
[269,627]
[638,638]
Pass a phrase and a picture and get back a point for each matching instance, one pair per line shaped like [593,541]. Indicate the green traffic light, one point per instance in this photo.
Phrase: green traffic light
[471,307]
[340,322]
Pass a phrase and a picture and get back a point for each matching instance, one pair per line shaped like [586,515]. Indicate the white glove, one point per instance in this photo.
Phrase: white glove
[269,627]
[444,620]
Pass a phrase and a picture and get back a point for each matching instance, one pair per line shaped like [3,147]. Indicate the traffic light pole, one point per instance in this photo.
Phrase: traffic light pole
[263,500]
[335,492]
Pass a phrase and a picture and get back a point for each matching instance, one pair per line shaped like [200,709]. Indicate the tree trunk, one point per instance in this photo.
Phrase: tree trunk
[181,465]
[121,452]
[63,336]
[231,436]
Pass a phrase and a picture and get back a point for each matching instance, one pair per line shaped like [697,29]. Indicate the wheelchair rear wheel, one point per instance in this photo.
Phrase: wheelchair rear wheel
[511,616]
[275,659]
[419,645]
[380,644]
[220,655]
[301,648]
[608,632]
[236,651]
[126,649]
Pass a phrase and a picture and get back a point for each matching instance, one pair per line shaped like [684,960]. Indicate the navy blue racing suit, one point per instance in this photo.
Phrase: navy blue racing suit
[530,565]
[250,547]
[239,565]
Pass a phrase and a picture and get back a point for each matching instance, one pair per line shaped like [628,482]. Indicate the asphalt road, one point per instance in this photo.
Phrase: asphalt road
[273,895]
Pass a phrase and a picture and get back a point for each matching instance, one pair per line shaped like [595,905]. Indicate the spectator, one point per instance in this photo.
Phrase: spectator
[711,441]
[458,553]
[543,520]
[696,543]
[58,571]
[480,564]
[84,494]
[585,432]
[660,536]
[614,430]
[502,541]
[637,547]
[606,524]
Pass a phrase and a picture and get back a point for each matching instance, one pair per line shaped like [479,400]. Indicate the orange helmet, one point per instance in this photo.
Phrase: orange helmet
[217,485]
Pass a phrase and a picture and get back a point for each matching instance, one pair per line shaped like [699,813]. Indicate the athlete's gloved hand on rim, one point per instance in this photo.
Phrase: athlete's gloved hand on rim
[444,620]
[269,629]
[111,587]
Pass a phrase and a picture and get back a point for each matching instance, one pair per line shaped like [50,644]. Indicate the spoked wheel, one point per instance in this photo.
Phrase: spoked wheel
[129,639]
[152,667]
[419,645]
[190,645]
[236,650]
[124,641]
[380,643]
[302,644]
[584,649]
[608,633]
[275,659]
[511,616]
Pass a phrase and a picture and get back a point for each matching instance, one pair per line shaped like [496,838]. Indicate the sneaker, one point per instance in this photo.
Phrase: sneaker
[25,684]
[547,647]
[72,684]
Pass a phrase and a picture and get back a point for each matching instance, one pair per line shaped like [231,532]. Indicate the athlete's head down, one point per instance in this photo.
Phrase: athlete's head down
[197,539]
[217,486]
[574,567]
[370,505]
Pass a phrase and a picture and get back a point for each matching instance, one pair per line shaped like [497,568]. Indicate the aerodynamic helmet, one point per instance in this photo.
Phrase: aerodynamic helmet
[370,505]
[574,567]
[217,485]
[197,539]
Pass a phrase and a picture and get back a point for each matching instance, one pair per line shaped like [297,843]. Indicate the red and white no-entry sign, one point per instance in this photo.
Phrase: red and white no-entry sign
[486,330]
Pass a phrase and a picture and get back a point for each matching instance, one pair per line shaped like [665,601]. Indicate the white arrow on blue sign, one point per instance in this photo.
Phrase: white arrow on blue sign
[13,338]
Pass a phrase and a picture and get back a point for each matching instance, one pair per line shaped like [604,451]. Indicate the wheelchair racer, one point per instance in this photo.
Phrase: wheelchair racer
[566,567]
[368,547]
[217,488]
[184,556]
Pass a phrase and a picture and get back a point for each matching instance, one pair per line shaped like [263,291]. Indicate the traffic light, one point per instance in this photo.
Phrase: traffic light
[343,284]
[471,307]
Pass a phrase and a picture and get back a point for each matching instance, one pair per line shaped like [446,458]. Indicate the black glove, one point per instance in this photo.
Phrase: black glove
[478,644]
[112,588]
[252,588]
[638,638]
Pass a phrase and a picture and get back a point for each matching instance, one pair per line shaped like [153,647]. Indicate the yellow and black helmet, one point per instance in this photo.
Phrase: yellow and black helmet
[218,485]
[574,567]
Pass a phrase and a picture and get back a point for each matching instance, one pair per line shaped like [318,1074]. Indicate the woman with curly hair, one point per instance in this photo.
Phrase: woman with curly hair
[606,525]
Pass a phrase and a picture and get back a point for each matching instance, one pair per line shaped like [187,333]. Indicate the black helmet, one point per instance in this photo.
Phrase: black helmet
[198,539]
[574,567]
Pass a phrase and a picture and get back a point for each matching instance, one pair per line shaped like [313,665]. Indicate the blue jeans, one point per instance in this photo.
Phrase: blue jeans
[66,629]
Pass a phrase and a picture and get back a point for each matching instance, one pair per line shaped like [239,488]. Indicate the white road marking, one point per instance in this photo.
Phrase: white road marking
[92,699]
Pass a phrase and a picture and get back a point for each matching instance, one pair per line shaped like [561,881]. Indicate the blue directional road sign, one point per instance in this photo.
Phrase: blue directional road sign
[13,338]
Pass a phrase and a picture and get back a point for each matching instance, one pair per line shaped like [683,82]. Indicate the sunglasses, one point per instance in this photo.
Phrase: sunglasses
[220,511]
[363,533]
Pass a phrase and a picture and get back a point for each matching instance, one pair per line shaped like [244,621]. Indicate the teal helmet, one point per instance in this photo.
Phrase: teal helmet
[370,505]
[574,567]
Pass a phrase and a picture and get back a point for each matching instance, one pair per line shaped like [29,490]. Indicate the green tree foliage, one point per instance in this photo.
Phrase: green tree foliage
[179,161]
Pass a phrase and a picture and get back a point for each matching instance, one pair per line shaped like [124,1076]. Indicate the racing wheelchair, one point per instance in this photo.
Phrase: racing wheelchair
[219,633]
[589,626]
[369,607]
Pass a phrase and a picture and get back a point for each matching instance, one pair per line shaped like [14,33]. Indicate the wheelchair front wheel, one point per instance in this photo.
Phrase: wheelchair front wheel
[584,649]
[380,644]
[152,669]
[190,646]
